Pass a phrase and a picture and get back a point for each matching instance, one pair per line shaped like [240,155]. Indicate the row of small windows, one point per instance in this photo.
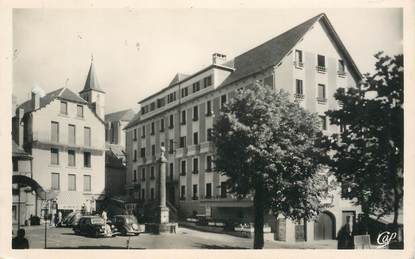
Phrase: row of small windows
[321,62]
[55,182]
[171,97]
[208,191]
[54,158]
[183,119]
[79,109]
[71,134]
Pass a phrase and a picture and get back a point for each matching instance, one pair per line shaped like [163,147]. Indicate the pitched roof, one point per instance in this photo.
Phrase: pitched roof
[134,121]
[61,93]
[91,82]
[124,115]
[177,78]
[269,53]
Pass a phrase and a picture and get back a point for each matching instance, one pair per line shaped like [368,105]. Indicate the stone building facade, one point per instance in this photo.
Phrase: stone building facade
[309,62]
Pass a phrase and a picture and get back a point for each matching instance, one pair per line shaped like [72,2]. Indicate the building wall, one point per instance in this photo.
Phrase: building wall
[42,167]
[283,76]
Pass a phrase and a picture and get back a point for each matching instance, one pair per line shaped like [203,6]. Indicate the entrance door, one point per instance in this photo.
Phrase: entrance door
[324,227]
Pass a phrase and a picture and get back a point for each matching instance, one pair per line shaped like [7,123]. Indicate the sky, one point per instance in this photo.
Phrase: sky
[137,52]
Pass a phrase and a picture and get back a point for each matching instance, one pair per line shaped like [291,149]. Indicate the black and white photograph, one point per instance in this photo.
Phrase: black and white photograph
[206,128]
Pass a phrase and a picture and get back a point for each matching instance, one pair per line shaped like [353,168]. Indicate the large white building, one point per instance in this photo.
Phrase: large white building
[309,62]
[65,134]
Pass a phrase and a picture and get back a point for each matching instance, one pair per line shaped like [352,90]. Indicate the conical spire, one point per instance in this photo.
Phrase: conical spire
[91,80]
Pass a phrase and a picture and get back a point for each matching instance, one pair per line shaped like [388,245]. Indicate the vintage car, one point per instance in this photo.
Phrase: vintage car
[70,220]
[126,224]
[94,226]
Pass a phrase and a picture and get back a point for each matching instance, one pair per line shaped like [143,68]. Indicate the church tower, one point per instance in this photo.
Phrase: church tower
[92,93]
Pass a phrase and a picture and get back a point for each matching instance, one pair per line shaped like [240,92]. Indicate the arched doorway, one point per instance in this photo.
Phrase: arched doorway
[325,226]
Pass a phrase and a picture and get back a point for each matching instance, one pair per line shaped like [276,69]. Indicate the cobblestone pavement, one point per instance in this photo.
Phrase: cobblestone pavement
[64,238]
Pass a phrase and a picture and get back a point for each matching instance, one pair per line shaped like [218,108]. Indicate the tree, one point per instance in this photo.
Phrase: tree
[270,147]
[368,152]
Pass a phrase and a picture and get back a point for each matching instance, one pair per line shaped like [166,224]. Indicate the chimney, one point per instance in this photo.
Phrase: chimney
[35,100]
[218,58]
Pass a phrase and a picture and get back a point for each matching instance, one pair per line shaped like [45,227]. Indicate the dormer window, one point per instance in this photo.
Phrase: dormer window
[196,87]
[80,111]
[207,81]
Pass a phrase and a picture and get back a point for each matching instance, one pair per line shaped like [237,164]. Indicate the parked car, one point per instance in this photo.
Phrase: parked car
[126,224]
[94,226]
[70,220]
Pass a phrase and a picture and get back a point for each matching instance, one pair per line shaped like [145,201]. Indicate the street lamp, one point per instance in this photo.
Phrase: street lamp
[45,213]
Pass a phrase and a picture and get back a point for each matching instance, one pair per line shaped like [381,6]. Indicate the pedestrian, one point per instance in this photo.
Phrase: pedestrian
[20,242]
[345,237]
[104,216]
[59,218]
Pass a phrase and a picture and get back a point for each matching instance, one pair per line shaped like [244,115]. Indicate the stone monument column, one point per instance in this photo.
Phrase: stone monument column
[164,211]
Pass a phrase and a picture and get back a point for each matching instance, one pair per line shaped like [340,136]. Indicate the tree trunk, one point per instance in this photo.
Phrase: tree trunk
[259,216]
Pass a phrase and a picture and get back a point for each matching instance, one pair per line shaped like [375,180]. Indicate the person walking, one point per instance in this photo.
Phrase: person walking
[20,242]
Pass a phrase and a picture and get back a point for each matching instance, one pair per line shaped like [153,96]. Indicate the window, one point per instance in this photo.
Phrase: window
[64,107]
[152,129]
[152,194]
[208,163]
[144,110]
[71,182]
[153,150]
[183,167]
[185,92]
[87,183]
[87,159]
[194,191]
[54,156]
[143,152]
[135,176]
[208,108]
[152,173]
[207,81]
[162,125]
[143,174]
[143,131]
[80,111]
[55,181]
[299,88]
[55,131]
[321,92]
[152,106]
[171,97]
[223,190]
[135,155]
[222,100]
[209,134]
[341,70]
[183,141]
[208,190]
[196,87]
[342,127]
[143,194]
[321,63]
[171,167]
[195,113]
[71,134]
[171,122]
[71,158]
[195,165]
[298,58]
[15,165]
[195,138]
[135,134]
[183,118]
[182,192]
[323,122]
[87,136]
[161,102]
[171,146]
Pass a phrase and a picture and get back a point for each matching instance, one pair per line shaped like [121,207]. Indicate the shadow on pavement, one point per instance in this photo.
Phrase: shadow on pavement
[205,246]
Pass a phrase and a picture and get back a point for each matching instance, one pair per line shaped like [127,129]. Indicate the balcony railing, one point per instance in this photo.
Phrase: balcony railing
[321,69]
[321,100]
[298,64]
